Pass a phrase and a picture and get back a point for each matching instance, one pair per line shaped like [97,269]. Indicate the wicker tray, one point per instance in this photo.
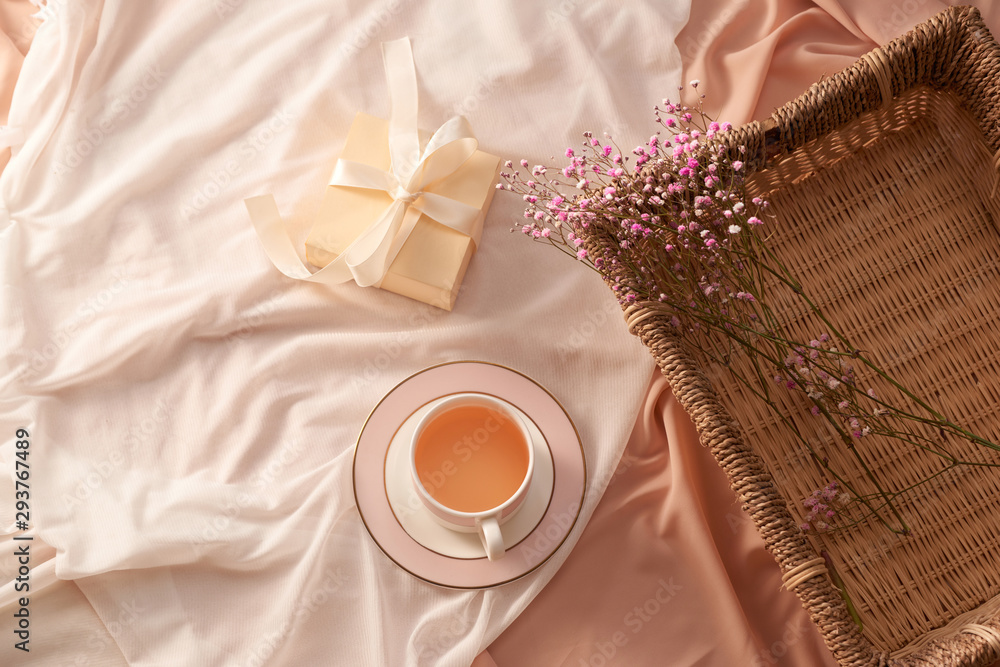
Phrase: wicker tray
[882,181]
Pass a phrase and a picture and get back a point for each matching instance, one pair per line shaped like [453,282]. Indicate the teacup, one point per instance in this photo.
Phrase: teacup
[471,462]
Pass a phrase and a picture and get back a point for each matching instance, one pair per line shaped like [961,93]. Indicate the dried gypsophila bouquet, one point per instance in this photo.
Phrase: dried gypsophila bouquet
[687,241]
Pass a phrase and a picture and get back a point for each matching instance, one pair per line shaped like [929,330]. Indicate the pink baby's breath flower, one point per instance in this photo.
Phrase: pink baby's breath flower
[681,232]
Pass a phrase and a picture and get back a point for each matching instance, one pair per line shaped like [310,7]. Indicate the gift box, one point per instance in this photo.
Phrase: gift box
[431,263]
[404,209]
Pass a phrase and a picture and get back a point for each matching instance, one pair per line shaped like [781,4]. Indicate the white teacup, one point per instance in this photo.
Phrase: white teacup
[471,462]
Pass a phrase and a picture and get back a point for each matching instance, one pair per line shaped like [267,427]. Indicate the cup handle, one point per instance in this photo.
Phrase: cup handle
[489,533]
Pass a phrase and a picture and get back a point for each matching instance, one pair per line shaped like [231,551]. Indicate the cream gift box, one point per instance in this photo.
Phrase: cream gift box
[403,211]
[431,263]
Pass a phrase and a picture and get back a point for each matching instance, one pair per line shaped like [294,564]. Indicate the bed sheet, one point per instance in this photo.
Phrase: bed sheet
[667,492]
[163,366]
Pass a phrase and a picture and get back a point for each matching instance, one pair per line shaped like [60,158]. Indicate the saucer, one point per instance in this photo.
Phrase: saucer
[427,550]
[420,524]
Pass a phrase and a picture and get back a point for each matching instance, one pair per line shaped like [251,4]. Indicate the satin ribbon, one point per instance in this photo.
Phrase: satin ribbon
[412,169]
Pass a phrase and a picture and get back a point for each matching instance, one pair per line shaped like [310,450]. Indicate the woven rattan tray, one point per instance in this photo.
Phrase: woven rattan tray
[882,182]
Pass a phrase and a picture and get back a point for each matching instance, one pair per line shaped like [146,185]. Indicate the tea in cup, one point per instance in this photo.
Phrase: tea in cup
[471,462]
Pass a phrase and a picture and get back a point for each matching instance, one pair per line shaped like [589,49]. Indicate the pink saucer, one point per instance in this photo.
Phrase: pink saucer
[439,566]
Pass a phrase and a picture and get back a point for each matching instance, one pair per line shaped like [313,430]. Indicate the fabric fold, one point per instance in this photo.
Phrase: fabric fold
[193,411]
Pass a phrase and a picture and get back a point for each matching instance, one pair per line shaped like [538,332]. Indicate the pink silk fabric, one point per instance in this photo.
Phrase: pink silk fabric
[17,27]
[670,571]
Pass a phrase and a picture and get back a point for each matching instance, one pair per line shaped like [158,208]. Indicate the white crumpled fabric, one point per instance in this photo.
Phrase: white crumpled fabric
[192,411]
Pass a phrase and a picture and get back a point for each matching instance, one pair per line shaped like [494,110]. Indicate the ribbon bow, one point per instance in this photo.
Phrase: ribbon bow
[412,169]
